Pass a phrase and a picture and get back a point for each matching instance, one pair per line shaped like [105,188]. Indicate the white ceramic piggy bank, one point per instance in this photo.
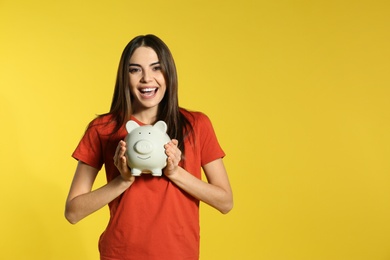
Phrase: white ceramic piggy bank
[145,147]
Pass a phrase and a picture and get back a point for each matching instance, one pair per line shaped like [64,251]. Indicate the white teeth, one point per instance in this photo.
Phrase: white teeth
[144,90]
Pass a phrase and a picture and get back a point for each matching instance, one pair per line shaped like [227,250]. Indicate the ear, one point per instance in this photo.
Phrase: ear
[161,125]
[131,125]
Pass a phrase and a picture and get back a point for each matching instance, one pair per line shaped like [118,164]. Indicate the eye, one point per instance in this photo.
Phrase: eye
[133,70]
[157,68]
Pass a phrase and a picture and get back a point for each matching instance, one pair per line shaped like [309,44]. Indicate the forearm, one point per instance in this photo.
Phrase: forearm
[85,204]
[213,195]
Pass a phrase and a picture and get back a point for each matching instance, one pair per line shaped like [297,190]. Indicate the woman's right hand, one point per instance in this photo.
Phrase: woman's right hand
[120,162]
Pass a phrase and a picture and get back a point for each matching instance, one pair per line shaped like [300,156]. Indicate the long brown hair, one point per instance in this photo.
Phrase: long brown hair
[168,109]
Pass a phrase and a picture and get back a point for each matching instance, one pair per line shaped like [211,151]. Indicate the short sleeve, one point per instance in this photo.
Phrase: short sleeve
[209,145]
[89,149]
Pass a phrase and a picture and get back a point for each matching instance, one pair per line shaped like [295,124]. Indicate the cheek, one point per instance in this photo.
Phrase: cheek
[132,84]
[163,90]
[160,78]
[162,83]
[131,88]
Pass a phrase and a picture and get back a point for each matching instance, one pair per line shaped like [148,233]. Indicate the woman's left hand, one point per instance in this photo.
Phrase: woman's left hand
[174,157]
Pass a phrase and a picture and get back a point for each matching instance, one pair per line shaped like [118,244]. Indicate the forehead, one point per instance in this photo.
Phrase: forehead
[144,55]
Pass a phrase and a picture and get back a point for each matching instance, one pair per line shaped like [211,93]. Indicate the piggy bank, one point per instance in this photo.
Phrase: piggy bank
[145,147]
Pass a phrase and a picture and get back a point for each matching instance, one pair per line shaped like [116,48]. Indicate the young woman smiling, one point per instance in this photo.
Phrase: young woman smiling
[150,217]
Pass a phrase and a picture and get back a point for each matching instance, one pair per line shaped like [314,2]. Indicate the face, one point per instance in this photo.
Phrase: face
[147,83]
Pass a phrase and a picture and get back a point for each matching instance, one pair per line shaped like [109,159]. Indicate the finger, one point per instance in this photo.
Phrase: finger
[122,150]
[173,151]
[116,154]
[123,163]
[118,148]
[169,151]
[119,153]
[170,163]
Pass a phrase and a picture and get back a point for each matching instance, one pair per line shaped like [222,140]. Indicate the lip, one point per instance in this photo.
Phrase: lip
[148,92]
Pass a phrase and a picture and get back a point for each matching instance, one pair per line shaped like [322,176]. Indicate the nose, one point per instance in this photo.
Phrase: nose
[143,147]
[146,76]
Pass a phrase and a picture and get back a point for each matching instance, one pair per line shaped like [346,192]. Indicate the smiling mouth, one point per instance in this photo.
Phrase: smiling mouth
[143,158]
[148,92]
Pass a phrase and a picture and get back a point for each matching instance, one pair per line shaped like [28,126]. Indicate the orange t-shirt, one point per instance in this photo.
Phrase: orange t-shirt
[153,219]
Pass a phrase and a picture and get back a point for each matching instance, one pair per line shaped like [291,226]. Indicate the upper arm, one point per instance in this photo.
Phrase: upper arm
[83,180]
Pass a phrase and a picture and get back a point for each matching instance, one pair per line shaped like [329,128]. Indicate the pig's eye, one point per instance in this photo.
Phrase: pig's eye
[149,133]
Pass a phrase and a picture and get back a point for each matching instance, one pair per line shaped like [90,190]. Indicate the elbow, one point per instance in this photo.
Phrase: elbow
[227,207]
[70,216]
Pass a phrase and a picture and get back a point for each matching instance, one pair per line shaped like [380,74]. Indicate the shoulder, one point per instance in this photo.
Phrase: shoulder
[101,119]
[102,124]
[195,117]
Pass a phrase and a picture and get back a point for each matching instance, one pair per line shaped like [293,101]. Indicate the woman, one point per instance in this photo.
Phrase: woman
[150,217]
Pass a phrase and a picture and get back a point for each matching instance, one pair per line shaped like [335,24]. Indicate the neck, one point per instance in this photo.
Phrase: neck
[147,116]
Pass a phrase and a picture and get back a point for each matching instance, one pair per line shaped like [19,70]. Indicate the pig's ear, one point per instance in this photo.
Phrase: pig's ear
[161,125]
[131,125]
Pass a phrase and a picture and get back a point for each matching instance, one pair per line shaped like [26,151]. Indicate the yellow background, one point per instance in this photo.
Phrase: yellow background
[298,92]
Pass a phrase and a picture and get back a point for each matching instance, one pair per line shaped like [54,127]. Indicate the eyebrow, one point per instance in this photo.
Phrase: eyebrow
[138,65]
